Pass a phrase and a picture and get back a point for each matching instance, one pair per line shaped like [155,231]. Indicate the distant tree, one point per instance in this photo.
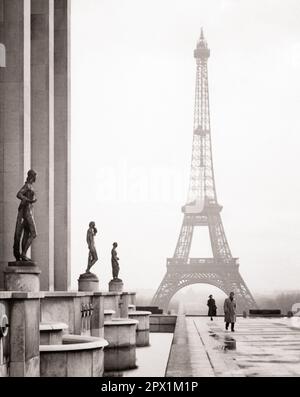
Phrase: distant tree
[283,301]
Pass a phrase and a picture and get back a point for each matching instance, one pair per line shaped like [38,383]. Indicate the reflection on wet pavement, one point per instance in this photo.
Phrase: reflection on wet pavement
[259,347]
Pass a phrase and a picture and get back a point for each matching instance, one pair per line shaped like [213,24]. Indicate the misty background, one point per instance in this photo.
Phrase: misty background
[133,81]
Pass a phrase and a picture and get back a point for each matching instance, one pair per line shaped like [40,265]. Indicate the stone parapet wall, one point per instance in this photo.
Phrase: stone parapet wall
[162,323]
[82,312]
[20,348]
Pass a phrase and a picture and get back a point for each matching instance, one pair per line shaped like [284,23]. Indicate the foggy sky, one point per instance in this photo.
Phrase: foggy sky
[133,79]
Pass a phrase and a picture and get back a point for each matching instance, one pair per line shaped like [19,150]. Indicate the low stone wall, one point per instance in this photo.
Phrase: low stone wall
[52,333]
[77,356]
[265,313]
[67,307]
[82,312]
[108,315]
[162,323]
[152,309]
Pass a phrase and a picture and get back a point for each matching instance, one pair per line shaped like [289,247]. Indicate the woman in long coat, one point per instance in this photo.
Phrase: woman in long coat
[212,308]
[230,311]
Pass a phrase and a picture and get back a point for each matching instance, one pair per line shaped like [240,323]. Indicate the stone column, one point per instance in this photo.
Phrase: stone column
[14,117]
[62,145]
[42,134]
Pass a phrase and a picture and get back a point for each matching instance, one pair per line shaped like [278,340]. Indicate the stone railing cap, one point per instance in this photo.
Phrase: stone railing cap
[66,294]
[110,293]
[121,321]
[5,294]
[22,269]
[27,295]
[59,294]
[163,315]
[139,313]
[76,343]
[53,326]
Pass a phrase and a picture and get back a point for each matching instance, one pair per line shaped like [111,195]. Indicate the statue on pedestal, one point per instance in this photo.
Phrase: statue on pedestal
[89,281]
[116,284]
[25,225]
[93,257]
[115,262]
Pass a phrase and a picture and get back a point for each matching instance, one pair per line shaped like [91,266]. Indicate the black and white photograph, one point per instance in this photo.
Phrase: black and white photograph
[149,191]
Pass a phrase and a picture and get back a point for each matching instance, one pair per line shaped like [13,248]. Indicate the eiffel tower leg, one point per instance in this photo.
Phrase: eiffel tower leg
[219,243]
[244,298]
[184,241]
[162,295]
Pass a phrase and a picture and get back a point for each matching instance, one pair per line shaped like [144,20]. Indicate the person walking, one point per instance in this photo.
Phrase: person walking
[212,308]
[230,311]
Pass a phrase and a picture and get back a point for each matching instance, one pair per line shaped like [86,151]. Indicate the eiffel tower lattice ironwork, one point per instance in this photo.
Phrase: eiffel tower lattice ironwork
[202,209]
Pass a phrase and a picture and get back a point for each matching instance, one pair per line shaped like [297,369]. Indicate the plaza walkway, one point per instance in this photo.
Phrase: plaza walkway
[259,347]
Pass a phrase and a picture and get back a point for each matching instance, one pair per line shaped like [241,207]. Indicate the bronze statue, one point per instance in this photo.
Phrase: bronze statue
[115,262]
[25,226]
[93,257]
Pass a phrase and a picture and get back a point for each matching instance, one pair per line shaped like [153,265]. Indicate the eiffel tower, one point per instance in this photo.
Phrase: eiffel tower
[202,209]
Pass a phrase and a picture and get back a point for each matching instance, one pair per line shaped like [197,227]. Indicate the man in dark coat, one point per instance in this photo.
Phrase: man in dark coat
[230,311]
[212,308]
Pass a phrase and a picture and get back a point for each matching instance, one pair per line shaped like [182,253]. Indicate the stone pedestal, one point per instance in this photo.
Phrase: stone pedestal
[22,276]
[116,285]
[88,282]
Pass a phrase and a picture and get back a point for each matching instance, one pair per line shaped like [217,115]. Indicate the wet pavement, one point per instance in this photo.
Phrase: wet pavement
[258,347]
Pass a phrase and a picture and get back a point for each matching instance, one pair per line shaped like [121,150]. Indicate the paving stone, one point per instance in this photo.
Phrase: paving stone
[264,347]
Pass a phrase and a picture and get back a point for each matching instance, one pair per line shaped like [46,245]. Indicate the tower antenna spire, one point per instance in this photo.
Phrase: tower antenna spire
[201,34]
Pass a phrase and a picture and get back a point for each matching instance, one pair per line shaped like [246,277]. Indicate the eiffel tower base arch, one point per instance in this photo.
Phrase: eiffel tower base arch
[226,280]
